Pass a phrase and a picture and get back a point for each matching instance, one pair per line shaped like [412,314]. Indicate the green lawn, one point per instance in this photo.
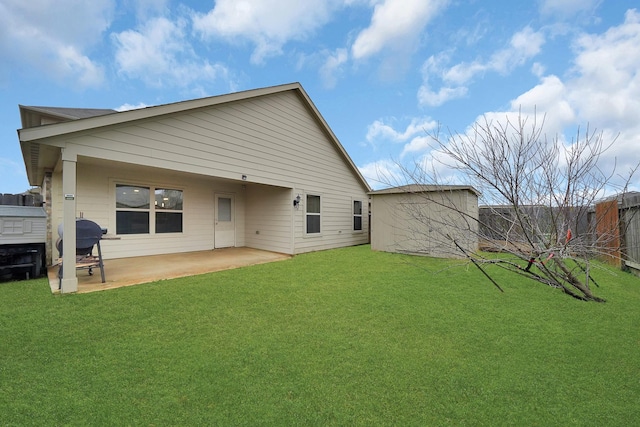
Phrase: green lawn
[340,337]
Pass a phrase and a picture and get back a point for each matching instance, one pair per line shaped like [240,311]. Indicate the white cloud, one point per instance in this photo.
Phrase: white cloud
[461,73]
[416,136]
[424,169]
[426,96]
[419,144]
[607,87]
[524,45]
[601,95]
[160,55]
[71,63]
[378,130]
[127,107]
[434,67]
[268,24]
[146,9]
[332,67]
[383,174]
[538,69]
[605,91]
[549,98]
[566,8]
[395,23]
[53,37]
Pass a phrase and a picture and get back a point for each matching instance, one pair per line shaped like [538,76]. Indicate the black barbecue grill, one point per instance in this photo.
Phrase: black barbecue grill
[88,235]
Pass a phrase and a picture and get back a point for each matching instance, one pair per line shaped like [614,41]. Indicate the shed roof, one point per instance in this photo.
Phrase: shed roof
[424,188]
[22,211]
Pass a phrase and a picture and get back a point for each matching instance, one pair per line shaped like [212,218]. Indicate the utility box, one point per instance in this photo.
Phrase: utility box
[23,232]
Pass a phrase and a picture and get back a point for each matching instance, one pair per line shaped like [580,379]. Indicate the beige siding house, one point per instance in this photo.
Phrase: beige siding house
[259,168]
[425,219]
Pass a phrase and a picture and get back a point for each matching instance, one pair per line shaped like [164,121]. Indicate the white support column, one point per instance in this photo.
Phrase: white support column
[69,278]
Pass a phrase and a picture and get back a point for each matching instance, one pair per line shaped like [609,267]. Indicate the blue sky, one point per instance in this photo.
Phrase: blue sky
[383,73]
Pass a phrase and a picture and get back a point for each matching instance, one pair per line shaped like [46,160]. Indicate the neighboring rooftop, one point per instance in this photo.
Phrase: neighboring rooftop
[33,116]
[424,188]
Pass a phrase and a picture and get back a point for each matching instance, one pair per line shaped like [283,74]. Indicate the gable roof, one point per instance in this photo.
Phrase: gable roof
[424,188]
[32,139]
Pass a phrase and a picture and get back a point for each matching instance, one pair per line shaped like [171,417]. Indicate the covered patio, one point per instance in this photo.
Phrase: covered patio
[136,270]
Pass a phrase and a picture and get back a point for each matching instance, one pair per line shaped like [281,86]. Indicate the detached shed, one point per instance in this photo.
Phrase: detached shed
[425,219]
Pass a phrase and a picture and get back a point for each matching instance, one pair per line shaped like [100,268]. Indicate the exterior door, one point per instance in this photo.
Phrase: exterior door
[225,226]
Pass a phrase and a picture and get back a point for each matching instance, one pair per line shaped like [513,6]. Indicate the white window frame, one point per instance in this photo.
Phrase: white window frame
[307,213]
[173,211]
[152,208]
[354,215]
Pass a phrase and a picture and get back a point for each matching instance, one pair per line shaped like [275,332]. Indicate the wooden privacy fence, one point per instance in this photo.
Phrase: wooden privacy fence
[608,232]
[618,230]
[612,226]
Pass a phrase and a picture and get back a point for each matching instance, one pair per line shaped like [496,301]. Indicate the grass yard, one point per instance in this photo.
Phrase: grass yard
[340,337]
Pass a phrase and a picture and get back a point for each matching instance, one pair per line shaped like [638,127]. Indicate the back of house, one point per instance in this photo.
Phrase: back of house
[260,169]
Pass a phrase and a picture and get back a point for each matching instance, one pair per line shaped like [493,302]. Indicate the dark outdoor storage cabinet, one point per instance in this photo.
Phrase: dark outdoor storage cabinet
[23,231]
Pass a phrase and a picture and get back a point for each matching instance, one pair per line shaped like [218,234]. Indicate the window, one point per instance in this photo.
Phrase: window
[224,209]
[357,215]
[313,214]
[134,210]
[168,205]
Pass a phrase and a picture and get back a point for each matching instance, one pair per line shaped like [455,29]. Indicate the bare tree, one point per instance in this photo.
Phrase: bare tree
[538,197]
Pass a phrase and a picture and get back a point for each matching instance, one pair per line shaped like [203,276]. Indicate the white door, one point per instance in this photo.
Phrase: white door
[225,226]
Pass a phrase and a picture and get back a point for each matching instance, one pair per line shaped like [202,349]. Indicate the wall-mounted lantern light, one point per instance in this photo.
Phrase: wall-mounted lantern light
[296,201]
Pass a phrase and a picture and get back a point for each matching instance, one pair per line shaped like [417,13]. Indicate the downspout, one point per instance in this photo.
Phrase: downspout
[49,244]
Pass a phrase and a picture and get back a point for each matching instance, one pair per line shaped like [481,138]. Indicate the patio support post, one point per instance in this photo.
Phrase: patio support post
[69,278]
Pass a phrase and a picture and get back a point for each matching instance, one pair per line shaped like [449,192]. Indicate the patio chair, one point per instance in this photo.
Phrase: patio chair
[88,235]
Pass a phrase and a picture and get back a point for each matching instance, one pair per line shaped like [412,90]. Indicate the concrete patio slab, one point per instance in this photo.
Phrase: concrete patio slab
[132,271]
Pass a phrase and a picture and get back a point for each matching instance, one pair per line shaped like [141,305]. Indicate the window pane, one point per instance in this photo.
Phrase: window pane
[313,204]
[224,209]
[132,222]
[357,223]
[168,222]
[129,196]
[357,207]
[313,223]
[168,199]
